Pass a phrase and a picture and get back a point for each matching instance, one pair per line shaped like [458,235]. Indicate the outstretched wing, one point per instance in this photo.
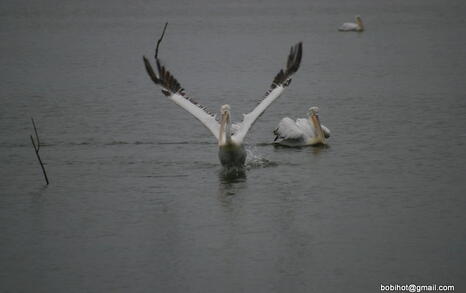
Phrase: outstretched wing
[281,80]
[171,88]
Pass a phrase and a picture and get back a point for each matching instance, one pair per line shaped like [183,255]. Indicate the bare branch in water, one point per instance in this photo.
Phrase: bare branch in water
[36,149]
[159,41]
[37,135]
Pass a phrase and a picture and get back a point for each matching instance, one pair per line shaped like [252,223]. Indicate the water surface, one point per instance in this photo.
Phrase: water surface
[138,201]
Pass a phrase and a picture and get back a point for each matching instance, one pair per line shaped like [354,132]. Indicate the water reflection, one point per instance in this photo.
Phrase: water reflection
[317,149]
[230,181]
[232,175]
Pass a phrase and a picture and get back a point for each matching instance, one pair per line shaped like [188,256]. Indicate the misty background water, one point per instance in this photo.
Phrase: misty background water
[137,200]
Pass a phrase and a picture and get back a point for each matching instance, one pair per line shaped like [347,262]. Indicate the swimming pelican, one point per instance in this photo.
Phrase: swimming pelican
[229,136]
[303,132]
[351,26]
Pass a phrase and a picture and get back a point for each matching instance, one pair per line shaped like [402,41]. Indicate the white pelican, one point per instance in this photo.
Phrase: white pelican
[303,132]
[351,26]
[230,137]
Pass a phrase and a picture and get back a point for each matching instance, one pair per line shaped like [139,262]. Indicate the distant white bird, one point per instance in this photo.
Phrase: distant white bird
[351,26]
[303,132]
[230,137]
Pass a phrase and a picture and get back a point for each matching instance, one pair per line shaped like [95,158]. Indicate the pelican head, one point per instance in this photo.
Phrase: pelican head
[313,111]
[225,109]
[359,22]
[315,122]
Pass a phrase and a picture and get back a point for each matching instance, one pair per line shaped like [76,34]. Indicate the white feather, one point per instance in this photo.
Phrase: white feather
[325,130]
[251,117]
[206,119]
[348,26]
[307,129]
[288,129]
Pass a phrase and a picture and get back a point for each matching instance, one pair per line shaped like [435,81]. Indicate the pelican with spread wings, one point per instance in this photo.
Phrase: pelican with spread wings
[230,136]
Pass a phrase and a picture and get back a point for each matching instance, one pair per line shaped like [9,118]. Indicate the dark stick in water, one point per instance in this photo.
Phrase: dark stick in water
[160,40]
[36,148]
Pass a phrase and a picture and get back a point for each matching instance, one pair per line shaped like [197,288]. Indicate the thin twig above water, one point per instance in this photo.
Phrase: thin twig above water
[159,41]
[37,148]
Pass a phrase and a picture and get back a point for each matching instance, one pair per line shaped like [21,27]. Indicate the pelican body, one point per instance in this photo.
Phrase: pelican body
[232,155]
[230,136]
[352,27]
[303,132]
[230,152]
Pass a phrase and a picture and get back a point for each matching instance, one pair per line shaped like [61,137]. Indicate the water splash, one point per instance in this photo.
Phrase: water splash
[255,160]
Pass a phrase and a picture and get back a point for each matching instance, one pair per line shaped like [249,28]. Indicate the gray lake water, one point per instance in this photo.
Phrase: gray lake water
[138,201]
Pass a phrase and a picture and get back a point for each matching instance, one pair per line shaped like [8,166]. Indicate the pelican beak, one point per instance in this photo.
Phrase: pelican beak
[223,122]
[318,128]
[225,118]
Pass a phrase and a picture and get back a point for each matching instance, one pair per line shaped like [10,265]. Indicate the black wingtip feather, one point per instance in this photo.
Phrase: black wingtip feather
[292,65]
[150,70]
[168,83]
